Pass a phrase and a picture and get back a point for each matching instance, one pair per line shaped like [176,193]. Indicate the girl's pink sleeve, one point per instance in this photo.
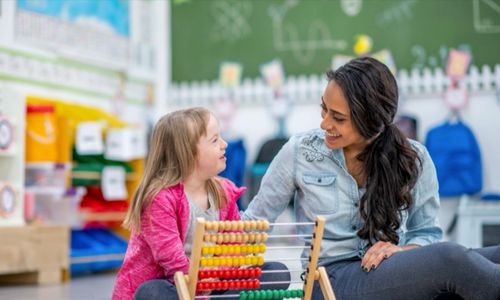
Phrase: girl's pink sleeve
[159,226]
[233,193]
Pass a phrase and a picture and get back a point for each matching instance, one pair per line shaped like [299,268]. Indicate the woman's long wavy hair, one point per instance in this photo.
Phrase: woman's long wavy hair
[390,163]
[171,158]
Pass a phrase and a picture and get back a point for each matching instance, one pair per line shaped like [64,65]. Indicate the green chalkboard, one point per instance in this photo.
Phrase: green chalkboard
[306,34]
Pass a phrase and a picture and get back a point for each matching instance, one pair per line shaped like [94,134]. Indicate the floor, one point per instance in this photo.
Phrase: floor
[99,286]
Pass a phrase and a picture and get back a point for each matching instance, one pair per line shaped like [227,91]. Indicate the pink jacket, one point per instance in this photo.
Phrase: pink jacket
[158,251]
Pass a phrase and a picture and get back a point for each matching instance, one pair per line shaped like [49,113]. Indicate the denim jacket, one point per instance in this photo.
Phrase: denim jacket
[316,178]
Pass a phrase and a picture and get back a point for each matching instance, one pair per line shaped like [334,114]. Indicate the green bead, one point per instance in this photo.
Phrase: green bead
[257,295]
[287,294]
[300,294]
[276,294]
[243,296]
[251,296]
[269,295]
[293,294]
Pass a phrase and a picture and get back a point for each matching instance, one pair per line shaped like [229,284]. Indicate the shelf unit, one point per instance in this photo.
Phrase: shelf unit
[12,113]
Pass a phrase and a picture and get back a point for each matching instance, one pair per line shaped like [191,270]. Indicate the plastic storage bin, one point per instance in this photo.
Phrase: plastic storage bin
[47,175]
[55,206]
[41,134]
[94,250]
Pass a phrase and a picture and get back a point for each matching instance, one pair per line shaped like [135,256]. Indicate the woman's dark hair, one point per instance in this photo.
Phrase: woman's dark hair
[390,163]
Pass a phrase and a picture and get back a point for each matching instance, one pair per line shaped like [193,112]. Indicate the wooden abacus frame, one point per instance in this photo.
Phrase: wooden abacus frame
[186,284]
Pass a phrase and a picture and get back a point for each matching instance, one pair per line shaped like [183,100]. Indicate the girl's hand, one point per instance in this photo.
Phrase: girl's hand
[377,253]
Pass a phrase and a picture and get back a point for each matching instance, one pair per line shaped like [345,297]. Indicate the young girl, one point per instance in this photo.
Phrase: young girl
[179,185]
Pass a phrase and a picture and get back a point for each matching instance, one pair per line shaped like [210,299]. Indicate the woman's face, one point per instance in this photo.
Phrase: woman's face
[340,131]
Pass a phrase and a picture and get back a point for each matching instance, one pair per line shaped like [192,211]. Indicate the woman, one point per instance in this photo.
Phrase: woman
[379,194]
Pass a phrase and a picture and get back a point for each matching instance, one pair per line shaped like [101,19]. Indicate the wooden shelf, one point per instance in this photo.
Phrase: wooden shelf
[102,216]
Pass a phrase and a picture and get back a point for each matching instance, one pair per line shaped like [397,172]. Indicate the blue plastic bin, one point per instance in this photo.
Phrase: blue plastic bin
[94,250]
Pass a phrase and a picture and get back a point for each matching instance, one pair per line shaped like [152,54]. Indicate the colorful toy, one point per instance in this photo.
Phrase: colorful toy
[232,260]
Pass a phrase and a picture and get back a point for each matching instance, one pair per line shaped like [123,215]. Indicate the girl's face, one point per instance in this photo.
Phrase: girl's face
[211,149]
[340,131]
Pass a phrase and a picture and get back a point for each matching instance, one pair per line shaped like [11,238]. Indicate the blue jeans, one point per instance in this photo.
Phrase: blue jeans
[162,289]
[429,272]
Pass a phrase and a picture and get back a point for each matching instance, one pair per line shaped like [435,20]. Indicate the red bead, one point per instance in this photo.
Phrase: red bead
[256,284]
[237,285]
[252,273]
[217,285]
[258,272]
[239,273]
[234,273]
[246,273]
[225,285]
[244,284]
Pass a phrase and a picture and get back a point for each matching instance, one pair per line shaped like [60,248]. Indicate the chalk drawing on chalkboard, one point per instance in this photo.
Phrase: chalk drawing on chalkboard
[231,20]
[400,12]
[287,38]
[351,7]
[486,16]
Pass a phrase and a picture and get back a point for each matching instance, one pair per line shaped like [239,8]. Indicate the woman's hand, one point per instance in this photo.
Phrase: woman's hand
[377,253]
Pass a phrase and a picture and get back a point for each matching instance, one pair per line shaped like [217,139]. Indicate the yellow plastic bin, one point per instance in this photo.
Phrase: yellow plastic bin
[41,133]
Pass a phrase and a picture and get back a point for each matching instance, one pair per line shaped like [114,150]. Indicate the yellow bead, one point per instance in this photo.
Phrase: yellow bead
[265,226]
[227,225]
[208,225]
[241,225]
[253,225]
[251,237]
[234,225]
[262,248]
[260,260]
[264,237]
[258,225]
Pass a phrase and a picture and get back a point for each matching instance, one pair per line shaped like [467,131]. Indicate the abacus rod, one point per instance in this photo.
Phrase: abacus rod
[283,271]
[218,296]
[281,282]
[289,259]
[288,235]
[286,247]
[291,223]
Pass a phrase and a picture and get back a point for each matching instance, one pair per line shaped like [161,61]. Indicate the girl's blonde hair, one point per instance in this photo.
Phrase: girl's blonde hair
[171,158]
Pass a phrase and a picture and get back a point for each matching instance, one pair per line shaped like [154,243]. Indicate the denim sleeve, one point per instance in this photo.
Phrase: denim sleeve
[422,224]
[277,187]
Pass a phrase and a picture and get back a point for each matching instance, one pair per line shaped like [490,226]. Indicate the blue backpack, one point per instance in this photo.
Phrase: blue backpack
[455,153]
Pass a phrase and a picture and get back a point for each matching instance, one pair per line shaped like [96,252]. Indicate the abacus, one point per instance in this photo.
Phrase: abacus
[237,247]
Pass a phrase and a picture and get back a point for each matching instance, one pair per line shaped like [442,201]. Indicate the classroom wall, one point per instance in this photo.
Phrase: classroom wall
[138,71]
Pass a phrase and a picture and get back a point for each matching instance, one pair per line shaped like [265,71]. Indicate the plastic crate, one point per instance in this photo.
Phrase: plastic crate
[94,250]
